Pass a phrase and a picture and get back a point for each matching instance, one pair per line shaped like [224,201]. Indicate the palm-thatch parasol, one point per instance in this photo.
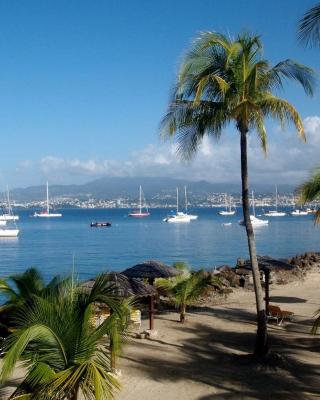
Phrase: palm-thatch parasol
[126,287]
[151,270]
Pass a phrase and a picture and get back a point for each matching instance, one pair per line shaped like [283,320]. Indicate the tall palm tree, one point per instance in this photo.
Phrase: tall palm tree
[221,81]
[309,26]
[65,355]
[185,289]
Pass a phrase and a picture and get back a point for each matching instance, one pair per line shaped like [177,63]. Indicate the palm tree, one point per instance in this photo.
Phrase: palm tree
[310,190]
[65,355]
[185,289]
[222,81]
[309,26]
[19,289]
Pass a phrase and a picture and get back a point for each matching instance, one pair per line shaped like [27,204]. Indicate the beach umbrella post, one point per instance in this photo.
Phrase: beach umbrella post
[151,270]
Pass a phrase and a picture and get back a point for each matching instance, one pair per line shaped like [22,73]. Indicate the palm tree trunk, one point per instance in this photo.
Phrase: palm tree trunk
[261,346]
[182,313]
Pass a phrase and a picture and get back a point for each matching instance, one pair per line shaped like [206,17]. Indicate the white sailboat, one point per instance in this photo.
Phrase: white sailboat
[46,213]
[228,210]
[297,212]
[9,215]
[139,213]
[275,213]
[192,217]
[9,231]
[254,220]
[179,216]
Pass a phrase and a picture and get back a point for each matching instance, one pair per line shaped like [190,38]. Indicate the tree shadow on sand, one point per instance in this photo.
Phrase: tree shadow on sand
[219,358]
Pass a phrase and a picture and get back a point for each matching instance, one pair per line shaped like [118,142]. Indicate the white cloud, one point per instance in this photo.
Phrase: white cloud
[289,160]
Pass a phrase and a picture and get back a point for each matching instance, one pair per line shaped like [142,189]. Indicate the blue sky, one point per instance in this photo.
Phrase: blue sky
[84,84]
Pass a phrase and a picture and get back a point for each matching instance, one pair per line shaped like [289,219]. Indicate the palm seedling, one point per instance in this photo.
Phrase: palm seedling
[65,356]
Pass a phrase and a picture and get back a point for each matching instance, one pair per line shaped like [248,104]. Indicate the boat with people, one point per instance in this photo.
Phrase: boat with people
[8,216]
[98,224]
[228,210]
[275,213]
[46,213]
[256,222]
[139,213]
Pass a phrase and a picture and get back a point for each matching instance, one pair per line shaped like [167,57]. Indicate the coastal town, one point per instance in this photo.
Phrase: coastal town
[214,200]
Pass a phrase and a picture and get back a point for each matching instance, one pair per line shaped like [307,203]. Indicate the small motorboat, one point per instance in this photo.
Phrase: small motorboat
[98,224]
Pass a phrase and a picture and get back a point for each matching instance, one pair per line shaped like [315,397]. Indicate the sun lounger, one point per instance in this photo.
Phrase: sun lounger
[135,317]
[275,313]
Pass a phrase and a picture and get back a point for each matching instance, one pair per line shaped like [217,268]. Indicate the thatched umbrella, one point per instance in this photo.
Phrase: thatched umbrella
[151,270]
[123,287]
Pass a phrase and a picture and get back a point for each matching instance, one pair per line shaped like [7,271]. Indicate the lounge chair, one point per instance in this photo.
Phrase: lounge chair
[275,313]
[135,317]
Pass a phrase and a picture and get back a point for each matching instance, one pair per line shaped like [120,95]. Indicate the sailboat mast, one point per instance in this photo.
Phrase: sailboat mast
[9,203]
[177,200]
[48,209]
[140,199]
[253,208]
[276,198]
[185,194]
[229,203]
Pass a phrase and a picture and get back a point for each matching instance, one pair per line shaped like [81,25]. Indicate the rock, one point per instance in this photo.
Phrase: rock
[151,333]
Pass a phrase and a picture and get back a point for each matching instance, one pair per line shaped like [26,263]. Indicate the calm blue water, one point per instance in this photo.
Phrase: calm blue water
[51,244]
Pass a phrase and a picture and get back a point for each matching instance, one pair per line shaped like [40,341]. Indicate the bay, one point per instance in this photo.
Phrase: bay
[54,245]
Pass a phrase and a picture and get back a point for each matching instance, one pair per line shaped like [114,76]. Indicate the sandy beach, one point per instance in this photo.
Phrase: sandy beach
[206,357]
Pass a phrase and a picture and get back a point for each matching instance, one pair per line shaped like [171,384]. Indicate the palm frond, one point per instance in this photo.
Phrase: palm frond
[310,190]
[309,26]
[294,71]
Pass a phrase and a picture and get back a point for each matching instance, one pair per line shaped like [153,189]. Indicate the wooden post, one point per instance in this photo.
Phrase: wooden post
[151,312]
[266,283]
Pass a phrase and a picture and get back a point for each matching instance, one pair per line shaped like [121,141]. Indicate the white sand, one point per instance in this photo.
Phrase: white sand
[198,360]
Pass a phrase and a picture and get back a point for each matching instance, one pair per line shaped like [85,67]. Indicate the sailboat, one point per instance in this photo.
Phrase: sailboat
[297,212]
[46,213]
[228,210]
[178,216]
[139,213]
[192,217]
[9,215]
[9,231]
[275,213]
[254,220]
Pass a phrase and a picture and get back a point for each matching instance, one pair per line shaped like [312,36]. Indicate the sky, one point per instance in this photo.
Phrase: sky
[84,85]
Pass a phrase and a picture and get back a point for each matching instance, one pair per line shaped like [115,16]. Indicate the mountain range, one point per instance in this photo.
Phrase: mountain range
[128,187]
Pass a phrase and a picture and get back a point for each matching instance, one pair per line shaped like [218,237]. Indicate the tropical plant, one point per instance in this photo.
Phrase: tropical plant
[316,324]
[20,288]
[221,81]
[185,289]
[309,26]
[310,191]
[65,356]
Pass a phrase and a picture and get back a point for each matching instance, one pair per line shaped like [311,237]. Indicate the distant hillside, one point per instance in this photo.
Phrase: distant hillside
[110,188]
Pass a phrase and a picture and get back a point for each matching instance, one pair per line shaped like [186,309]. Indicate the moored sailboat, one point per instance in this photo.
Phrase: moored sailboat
[254,220]
[139,213]
[228,210]
[9,215]
[179,216]
[275,213]
[46,213]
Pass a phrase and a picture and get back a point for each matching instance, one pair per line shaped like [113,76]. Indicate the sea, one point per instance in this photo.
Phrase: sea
[68,244]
